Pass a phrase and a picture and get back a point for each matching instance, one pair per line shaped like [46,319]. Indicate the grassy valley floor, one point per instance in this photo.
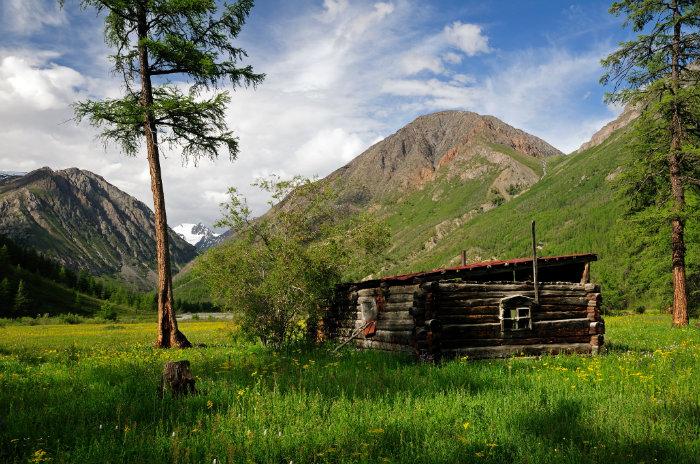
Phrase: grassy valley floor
[87,393]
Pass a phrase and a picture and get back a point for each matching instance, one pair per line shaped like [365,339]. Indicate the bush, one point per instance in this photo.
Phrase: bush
[108,311]
[71,319]
[283,268]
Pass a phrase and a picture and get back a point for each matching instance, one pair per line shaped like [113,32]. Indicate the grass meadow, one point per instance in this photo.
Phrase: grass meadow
[86,393]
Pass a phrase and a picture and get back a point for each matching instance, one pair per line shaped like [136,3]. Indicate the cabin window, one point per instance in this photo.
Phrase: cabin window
[516,314]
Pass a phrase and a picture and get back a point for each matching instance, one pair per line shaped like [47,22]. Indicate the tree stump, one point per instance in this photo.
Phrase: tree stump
[177,377]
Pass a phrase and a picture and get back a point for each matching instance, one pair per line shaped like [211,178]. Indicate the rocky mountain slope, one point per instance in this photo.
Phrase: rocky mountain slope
[79,219]
[455,145]
[628,115]
[434,174]
[438,172]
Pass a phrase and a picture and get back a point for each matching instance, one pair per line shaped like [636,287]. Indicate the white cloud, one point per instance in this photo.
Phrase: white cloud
[437,52]
[42,86]
[26,16]
[339,78]
[416,61]
[328,149]
[218,197]
[532,90]
[452,58]
[467,38]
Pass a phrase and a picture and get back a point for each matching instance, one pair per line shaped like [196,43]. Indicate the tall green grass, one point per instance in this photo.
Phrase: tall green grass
[87,393]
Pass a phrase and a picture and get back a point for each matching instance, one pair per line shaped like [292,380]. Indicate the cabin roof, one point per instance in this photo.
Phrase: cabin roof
[485,268]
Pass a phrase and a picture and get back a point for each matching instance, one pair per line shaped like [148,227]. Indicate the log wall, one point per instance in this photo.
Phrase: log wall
[453,318]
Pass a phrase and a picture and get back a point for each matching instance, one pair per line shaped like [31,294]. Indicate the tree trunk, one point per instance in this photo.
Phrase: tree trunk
[168,333]
[680,301]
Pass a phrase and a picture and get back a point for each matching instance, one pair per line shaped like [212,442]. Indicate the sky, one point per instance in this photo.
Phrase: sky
[341,75]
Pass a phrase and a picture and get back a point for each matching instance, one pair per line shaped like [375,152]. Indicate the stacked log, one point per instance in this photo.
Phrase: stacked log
[455,318]
[566,320]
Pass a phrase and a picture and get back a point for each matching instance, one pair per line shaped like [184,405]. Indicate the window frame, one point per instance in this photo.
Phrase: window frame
[515,314]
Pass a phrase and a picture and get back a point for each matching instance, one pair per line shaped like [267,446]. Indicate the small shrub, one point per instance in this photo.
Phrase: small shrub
[71,319]
[640,309]
[281,270]
[514,189]
[496,198]
[108,311]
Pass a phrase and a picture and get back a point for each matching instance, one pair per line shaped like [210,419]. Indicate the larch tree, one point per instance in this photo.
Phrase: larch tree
[173,56]
[658,72]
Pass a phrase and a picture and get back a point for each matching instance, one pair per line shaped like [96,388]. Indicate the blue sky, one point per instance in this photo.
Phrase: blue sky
[342,74]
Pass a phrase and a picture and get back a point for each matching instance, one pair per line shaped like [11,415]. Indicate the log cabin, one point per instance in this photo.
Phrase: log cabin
[479,310]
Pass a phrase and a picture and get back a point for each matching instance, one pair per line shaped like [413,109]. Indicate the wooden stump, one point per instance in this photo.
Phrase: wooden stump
[177,377]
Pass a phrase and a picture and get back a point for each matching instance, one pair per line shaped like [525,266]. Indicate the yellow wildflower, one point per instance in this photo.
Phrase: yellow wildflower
[40,456]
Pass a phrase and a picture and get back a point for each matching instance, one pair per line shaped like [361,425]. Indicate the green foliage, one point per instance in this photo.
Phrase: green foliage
[23,302]
[6,297]
[496,198]
[71,319]
[662,80]
[638,403]
[108,311]
[282,268]
[641,70]
[4,257]
[53,287]
[514,189]
[182,40]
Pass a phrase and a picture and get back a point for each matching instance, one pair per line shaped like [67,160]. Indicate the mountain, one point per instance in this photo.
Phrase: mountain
[8,174]
[198,235]
[628,115]
[453,181]
[438,172]
[432,175]
[82,221]
[447,146]
[578,208]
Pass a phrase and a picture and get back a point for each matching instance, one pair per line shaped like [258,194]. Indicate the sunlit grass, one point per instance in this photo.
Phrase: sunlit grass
[87,393]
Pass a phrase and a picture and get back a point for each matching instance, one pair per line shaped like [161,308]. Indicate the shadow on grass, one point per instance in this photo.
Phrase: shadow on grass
[564,428]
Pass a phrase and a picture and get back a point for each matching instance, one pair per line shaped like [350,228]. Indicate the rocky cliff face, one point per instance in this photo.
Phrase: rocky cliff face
[84,222]
[628,115]
[458,143]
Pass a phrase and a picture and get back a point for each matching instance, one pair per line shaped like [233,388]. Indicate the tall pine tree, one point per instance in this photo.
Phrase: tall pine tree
[22,300]
[6,297]
[158,44]
[658,72]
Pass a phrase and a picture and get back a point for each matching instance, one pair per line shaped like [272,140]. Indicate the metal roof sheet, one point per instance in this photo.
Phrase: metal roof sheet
[494,265]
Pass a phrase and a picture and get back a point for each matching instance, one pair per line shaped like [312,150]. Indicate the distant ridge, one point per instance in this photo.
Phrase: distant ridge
[628,115]
[79,219]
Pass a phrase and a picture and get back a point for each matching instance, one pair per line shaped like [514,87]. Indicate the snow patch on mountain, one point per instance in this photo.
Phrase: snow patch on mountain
[198,235]
[6,174]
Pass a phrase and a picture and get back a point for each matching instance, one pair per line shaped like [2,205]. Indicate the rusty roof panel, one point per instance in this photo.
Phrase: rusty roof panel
[486,266]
